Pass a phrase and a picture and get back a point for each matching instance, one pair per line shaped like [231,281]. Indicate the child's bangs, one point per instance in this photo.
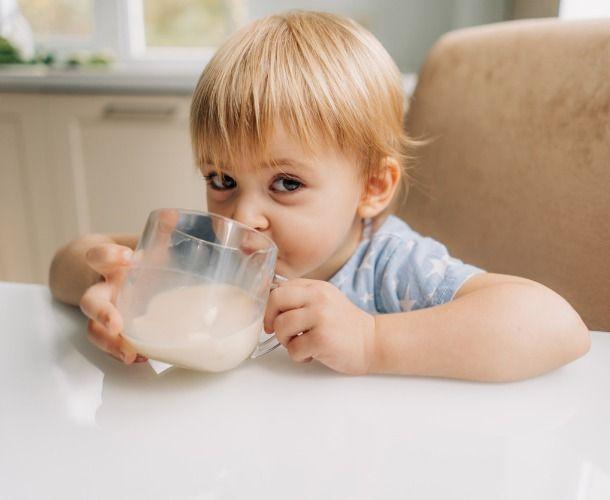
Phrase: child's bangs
[230,137]
[235,135]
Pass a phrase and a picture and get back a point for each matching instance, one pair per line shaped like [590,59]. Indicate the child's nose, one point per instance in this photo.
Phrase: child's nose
[251,215]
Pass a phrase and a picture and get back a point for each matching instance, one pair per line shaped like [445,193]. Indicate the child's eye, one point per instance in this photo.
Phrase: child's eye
[220,182]
[285,184]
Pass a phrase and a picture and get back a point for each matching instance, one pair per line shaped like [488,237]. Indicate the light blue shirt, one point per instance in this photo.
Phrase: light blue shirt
[396,269]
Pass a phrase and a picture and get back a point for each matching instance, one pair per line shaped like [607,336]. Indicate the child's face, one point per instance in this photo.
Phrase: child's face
[307,204]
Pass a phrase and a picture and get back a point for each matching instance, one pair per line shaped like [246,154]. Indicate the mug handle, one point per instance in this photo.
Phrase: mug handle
[268,345]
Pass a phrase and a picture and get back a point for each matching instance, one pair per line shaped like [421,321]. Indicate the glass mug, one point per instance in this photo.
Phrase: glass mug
[195,296]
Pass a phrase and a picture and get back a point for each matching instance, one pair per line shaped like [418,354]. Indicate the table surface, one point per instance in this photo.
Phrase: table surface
[74,423]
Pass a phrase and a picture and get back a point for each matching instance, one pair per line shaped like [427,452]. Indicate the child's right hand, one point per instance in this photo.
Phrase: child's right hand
[98,303]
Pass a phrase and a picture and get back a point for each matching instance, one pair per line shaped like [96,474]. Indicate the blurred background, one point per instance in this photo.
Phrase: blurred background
[188,30]
[94,98]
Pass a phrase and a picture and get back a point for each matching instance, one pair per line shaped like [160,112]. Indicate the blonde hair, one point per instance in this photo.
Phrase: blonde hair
[323,77]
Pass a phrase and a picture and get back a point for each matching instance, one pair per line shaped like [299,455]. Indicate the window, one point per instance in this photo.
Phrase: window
[189,23]
[48,18]
[187,29]
[133,30]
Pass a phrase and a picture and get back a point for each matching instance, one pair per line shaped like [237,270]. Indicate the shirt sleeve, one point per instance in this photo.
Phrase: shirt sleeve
[417,273]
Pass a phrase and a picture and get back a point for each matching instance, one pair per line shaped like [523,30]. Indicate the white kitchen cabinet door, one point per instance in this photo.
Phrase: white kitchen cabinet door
[71,165]
[27,225]
[119,157]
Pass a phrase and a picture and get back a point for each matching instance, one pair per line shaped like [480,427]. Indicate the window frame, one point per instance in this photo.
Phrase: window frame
[118,26]
[129,35]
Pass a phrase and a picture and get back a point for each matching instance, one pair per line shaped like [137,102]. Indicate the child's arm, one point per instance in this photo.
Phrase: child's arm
[497,328]
[70,274]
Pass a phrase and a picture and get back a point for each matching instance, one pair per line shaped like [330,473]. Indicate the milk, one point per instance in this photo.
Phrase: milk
[210,327]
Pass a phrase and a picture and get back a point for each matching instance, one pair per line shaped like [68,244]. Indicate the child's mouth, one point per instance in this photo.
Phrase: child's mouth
[247,250]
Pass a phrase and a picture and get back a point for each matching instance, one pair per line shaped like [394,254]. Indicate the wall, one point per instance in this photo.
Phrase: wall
[407,28]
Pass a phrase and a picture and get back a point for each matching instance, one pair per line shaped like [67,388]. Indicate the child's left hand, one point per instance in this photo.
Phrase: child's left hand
[314,320]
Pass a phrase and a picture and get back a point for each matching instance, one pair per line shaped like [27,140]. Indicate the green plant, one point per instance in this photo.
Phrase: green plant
[8,53]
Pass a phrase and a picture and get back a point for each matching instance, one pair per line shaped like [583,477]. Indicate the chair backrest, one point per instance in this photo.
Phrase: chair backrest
[516,176]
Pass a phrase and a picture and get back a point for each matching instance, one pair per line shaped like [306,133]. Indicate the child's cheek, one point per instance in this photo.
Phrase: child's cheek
[305,249]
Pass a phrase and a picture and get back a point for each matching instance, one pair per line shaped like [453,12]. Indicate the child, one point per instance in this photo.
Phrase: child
[297,127]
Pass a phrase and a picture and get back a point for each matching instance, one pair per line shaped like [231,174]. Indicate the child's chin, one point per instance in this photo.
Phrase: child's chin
[284,270]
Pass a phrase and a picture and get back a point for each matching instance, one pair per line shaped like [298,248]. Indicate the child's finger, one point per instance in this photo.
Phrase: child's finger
[115,345]
[289,324]
[99,337]
[107,258]
[302,349]
[283,299]
[96,303]
[130,355]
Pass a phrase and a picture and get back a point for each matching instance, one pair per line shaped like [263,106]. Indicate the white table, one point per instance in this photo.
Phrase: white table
[75,423]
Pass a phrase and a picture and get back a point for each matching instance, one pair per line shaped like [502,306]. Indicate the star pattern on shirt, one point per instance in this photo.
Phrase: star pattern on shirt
[399,270]
[366,298]
[393,284]
[407,303]
[438,266]
[430,296]
[366,263]
[409,245]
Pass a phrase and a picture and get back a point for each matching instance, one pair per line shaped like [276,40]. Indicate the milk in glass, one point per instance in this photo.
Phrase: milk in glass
[210,327]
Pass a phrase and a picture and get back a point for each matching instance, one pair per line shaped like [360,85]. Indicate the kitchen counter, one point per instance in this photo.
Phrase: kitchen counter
[117,79]
[75,423]
[110,80]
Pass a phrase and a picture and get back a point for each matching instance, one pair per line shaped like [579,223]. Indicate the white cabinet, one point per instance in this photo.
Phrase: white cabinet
[78,164]
[21,150]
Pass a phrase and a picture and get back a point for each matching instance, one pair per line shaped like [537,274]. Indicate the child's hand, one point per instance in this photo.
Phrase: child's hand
[99,301]
[313,319]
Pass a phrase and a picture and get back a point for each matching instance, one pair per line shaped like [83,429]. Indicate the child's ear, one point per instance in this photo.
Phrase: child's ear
[380,189]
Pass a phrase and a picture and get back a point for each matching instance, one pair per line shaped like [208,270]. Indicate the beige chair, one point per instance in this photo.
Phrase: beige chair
[516,176]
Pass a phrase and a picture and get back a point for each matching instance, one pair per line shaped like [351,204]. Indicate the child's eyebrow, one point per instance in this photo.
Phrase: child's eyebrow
[285,162]
[274,163]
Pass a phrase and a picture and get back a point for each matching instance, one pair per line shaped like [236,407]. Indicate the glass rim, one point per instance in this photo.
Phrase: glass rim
[213,215]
